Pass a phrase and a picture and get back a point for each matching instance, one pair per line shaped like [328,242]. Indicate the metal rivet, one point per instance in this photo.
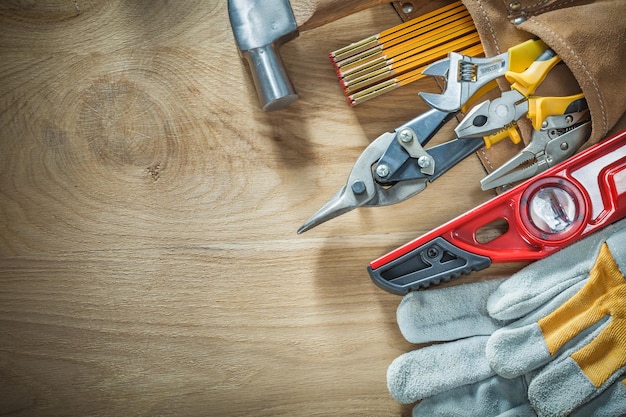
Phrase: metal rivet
[358,187]
[432,252]
[515,6]
[382,170]
[569,119]
[407,8]
[423,161]
[564,146]
[405,135]
[518,20]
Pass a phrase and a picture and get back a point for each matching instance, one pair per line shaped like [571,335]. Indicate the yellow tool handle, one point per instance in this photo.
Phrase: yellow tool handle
[521,56]
[524,54]
[526,82]
[541,107]
[510,132]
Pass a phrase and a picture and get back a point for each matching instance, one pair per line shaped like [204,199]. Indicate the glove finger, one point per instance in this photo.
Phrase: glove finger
[448,313]
[559,390]
[579,374]
[541,281]
[492,397]
[438,368]
[524,410]
[592,307]
[611,403]
[521,347]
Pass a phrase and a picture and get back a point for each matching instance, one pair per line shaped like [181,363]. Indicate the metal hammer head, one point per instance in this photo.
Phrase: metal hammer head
[260,27]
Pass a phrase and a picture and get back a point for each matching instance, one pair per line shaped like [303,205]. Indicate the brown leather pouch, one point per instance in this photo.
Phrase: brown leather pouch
[588,35]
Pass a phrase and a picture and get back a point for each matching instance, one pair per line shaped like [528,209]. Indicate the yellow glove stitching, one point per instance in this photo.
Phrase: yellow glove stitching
[602,295]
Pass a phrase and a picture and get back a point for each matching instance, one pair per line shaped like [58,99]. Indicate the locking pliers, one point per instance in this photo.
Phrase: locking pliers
[561,124]
[558,138]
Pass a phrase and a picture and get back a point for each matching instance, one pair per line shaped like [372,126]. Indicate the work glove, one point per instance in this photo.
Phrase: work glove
[549,341]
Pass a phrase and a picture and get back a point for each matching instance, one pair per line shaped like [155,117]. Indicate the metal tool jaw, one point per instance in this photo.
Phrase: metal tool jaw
[362,190]
[491,116]
[464,76]
[558,139]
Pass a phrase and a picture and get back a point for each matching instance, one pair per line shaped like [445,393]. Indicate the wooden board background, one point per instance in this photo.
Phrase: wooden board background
[149,263]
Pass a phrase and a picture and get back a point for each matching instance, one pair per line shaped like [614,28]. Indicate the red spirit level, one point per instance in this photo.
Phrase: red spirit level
[543,214]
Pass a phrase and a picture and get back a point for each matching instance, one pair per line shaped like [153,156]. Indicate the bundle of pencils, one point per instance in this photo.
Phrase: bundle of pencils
[397,56]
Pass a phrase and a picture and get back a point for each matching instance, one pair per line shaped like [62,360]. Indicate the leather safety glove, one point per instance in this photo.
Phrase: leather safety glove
[570,322]
[481,323]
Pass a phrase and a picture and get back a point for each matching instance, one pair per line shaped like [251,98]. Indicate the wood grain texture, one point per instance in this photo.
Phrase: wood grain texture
[149,263]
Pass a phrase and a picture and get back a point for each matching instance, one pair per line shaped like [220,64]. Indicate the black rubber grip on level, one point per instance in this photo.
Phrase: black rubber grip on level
[430,264]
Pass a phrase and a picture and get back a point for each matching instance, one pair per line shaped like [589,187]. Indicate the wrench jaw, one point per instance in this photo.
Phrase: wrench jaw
[452,98]
[438,69]
[464,76]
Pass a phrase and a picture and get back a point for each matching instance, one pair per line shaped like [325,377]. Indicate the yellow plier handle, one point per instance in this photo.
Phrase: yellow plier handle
[541,107]
[520,58]
[527,81]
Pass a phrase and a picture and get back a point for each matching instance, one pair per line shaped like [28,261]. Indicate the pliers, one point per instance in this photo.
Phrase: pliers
[561,124]
[396,166]
[558,138]
[492,116]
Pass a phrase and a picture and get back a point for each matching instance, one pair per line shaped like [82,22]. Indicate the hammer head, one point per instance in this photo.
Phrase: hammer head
[260,27]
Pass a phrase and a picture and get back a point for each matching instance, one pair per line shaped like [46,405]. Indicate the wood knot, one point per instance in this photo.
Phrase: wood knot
[154,171]
[124,125]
